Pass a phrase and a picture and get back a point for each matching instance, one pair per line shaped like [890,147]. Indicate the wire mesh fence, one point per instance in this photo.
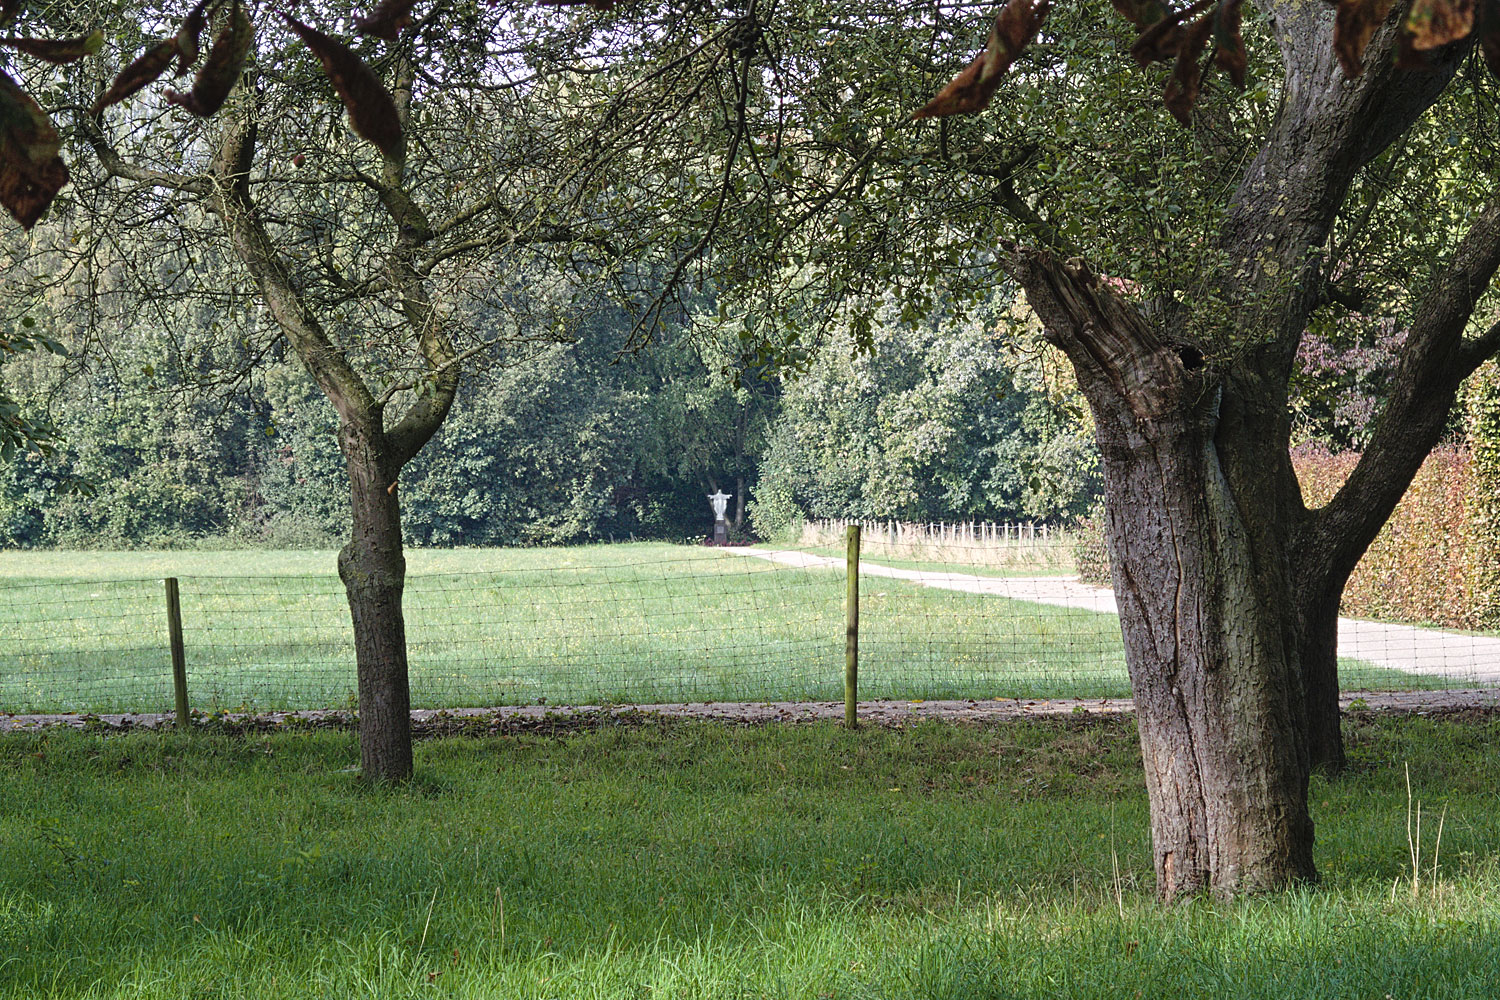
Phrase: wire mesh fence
[634,624]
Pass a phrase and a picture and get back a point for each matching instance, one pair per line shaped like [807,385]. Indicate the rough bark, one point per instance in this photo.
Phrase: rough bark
[1202,591]
[373,569]
[1275,228]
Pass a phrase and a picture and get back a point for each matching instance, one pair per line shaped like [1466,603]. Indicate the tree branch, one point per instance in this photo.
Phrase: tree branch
[230,192]
[1108,340]
[1434,360]
[427,413]
[92,127]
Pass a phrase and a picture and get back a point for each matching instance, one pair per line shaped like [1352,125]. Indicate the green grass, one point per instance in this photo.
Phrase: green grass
[629,624]
[704,861]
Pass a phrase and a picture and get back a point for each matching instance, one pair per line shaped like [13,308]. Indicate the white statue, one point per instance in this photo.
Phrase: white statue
[720,500]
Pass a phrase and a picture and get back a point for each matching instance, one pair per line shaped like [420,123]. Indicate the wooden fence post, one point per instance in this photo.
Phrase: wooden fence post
[179,655]
[851,633]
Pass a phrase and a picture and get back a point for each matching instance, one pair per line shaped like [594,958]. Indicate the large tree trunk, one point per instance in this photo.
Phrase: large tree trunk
[374,573]
[1216,682]
[1200,508]
[1228,586]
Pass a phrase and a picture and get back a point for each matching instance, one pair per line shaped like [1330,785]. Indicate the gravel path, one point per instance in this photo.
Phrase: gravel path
[1472,659]
[881,713]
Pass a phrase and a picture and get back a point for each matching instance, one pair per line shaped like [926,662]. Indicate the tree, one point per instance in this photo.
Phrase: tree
[1179,271]
[525,159]
[358,257]
[1228,585]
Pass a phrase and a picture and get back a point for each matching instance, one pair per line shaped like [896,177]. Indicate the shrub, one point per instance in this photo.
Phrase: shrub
[1435,561]
[1422,567]
[1090,553]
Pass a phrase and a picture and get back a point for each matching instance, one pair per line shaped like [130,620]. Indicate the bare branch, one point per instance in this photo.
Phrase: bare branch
[92,127]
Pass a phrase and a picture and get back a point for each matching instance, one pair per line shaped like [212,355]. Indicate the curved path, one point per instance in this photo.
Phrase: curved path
[1473,659]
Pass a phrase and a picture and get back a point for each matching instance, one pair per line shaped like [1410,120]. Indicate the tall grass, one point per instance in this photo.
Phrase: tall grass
[705,861]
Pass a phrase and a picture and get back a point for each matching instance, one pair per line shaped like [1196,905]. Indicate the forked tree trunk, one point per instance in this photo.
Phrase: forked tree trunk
[371,565]
[373,569]
[1228,586]
[1197,520]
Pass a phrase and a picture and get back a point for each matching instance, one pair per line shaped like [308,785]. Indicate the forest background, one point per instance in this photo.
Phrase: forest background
[571,439]
[567,438]
[163,424]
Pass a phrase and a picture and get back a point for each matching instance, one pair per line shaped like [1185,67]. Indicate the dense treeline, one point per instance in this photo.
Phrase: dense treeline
[561,440]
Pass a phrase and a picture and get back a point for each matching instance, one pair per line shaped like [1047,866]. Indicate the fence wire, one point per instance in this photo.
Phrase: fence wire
[969,616]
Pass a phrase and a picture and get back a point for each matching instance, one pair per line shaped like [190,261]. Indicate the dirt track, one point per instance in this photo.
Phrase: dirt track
[884,713]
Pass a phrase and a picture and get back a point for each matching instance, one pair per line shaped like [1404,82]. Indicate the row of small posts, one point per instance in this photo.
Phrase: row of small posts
[947,533]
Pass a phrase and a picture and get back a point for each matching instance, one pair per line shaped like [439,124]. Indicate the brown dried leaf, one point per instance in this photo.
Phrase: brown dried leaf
[1229,44]
[372,112]
[31,171]
[1408,56]
[1434,23]
[187,37]
[1353,24]
[387,19]
[1016,24]
[58,50]
[1163,39]
[965,93]
[1187,74]
[147,67]
[222,69]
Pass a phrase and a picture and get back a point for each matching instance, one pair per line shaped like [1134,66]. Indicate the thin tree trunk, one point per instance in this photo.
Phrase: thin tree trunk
[373,569]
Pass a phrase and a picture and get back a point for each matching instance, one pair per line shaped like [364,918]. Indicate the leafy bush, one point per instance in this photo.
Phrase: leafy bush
[1483,497]
[1435,560]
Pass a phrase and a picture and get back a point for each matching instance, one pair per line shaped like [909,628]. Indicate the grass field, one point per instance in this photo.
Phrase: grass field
[707,862]
[625,624]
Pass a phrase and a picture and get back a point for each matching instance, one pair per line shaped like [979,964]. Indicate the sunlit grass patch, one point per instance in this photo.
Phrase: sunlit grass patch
[700,860]
[627,624]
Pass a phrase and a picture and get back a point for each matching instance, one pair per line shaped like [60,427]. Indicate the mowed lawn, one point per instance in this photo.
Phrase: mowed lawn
[627,624]
[710,861]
